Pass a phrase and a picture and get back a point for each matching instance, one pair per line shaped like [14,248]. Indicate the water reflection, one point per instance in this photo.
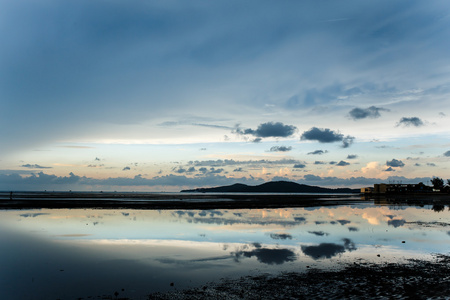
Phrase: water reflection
[264,255]
[65,253]
[328,250]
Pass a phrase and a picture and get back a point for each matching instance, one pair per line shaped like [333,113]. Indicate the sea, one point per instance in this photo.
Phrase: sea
[130,253]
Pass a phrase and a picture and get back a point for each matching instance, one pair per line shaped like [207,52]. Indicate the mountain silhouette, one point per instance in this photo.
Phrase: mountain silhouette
[271,187]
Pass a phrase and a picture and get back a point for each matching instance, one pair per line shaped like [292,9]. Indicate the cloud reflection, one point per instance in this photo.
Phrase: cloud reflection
[267,255]
[318,233]
[281,236]
[328,250]
[33,215]
[396,223]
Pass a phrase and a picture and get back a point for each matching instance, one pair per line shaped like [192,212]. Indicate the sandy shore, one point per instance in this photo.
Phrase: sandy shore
[415,280]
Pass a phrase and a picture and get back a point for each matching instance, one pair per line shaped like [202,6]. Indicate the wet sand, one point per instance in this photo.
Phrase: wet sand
[414,280]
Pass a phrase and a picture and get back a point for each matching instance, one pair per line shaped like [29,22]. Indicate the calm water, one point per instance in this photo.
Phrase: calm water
[66,254]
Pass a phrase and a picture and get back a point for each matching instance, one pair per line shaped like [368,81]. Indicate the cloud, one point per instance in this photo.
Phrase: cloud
[447,153]
[325,135]
[413,121]
[342,163]
[238,170]
[126,169]
[395,163]
[299,166]
[317,162]
[352,156]
[232,162]
[390,169]
[35,166]
[269,129]
[363,113]
[318,152]
[280,149]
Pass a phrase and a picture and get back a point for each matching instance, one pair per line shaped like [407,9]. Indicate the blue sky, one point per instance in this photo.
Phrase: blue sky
[166,95]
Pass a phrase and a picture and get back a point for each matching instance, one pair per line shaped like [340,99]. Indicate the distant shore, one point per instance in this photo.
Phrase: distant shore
[118,200]
[113,200]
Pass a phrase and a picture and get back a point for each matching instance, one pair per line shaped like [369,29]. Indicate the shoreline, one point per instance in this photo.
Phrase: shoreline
[117,200]
[171,201]
[417,279]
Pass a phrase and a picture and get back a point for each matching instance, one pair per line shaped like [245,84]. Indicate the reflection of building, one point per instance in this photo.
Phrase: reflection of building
[367,190]
[383,188]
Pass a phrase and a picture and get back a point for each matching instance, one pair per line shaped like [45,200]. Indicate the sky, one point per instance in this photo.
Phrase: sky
[168,95]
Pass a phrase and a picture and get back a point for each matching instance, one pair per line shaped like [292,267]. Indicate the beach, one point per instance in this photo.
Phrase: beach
[414,280]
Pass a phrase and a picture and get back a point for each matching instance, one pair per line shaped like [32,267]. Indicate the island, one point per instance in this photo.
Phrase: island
[273,187]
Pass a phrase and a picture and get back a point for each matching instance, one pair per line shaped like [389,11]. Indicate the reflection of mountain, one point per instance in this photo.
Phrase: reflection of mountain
[272,187]
[267,255]
[328,250]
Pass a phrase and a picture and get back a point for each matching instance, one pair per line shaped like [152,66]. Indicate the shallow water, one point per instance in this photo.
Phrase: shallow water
[71,253]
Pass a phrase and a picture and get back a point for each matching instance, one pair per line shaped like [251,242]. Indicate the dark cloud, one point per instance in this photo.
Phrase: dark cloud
[325,135]
[238,170]
[431,164]
[215,171]
[281,236]
[395,163]
[328,250]
[342,163]
[353,229]
[268,256]
[269,129]
[362,113]
[35,166]
[318,152]
[352,156]
[413,121]
[390,169]
[447,153]
[126,169]
[299,166]
[332,162]
[319,162]
[280,149]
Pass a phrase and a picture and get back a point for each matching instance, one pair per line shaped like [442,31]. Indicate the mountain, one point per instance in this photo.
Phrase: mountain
[271,187]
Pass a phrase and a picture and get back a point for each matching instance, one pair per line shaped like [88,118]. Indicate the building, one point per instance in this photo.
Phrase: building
[397,188]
